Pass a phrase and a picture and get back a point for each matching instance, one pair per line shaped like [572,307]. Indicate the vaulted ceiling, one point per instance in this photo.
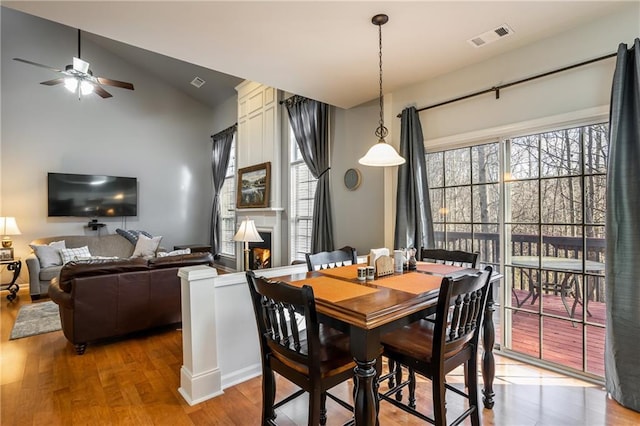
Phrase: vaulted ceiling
[326,50]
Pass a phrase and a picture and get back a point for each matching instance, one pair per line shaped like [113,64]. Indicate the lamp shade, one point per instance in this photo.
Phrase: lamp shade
[381,155]
[8,226]
[247,232]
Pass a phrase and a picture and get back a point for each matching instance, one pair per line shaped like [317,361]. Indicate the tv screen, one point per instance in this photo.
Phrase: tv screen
[92,195]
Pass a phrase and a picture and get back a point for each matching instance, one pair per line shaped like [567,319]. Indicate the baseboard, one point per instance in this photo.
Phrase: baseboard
[241,375]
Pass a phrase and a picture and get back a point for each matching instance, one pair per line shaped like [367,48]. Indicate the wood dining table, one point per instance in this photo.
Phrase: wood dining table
[368,309]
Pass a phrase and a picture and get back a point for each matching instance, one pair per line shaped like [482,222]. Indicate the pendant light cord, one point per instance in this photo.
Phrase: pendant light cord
[381,131]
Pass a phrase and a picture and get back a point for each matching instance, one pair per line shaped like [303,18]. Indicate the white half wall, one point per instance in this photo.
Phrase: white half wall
[237,333]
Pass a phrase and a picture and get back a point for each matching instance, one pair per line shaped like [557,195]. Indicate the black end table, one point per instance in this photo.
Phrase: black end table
[14,265]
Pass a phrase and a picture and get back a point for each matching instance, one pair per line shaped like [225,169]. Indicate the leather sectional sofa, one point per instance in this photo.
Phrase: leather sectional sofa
[101,299]
[103,245]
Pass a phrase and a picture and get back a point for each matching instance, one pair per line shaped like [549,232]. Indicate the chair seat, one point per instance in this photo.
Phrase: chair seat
[409,340]
[335,356]
[433,348]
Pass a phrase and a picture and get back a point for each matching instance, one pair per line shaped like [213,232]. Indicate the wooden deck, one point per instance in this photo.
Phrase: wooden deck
[562,339]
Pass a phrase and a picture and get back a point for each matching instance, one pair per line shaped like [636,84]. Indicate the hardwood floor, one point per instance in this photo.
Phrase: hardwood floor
[134,382]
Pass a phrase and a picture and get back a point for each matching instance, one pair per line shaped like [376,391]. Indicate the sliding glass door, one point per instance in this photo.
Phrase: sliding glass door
[542,198]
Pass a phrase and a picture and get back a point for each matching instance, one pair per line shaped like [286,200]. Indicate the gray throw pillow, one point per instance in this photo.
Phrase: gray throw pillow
[132,234]
[49,254]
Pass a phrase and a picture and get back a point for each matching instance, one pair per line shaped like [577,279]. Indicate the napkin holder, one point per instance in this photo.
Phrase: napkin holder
[384,266]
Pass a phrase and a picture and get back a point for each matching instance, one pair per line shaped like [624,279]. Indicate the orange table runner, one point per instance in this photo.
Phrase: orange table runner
[349,272]
[410,282]
[438,268]
[334,290]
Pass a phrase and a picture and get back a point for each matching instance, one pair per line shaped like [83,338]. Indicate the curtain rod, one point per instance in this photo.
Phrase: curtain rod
[231,128]
[524,80]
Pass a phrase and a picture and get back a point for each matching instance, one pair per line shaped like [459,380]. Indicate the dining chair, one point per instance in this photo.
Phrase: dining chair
[313,356]
[450,257]
[329,259]
[435,349]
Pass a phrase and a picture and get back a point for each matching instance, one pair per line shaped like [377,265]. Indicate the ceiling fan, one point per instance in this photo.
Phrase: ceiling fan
[78,78]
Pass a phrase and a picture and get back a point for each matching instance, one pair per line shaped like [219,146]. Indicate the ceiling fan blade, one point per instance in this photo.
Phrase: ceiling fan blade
[37,64]
[101,92]
[115,83]
[53,82]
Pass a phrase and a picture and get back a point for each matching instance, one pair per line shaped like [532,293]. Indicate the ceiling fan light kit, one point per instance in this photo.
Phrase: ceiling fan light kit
[79,79]
[381,154]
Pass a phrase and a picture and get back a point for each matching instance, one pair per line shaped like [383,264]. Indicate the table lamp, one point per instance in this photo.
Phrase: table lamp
[8,227]
[248,234]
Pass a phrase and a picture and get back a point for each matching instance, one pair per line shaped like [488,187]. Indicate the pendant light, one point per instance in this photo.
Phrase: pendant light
[381,154]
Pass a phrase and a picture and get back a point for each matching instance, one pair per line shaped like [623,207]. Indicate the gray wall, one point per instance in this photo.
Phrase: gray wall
[358,214]
[568,92]
[154,133]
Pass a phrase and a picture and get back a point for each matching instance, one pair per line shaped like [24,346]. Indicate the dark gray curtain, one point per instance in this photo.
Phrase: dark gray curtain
[310,123]
[414,225]
[623,232]
[219,161]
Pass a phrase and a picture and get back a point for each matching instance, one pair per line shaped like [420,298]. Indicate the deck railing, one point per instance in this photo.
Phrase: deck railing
[488,245]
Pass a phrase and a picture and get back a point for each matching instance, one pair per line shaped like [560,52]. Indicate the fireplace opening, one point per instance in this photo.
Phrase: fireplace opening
[260,252]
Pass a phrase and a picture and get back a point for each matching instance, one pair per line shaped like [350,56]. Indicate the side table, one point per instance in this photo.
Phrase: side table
[14,265]
[195,248]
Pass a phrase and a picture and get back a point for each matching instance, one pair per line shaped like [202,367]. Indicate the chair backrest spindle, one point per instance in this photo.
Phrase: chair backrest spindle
[331,259]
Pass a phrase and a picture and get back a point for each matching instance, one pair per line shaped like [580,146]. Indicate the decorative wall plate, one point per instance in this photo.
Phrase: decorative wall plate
[352,179]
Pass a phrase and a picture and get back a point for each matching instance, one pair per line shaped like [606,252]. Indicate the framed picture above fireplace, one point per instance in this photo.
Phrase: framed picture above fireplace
[253,186]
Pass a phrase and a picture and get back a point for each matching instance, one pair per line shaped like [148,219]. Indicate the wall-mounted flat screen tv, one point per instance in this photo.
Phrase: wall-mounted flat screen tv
[92,195]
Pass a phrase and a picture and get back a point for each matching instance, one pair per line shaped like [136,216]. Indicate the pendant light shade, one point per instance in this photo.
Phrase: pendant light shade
[381,154]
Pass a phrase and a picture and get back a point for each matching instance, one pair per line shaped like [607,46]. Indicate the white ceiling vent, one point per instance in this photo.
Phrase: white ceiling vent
[198,82]
[490,36]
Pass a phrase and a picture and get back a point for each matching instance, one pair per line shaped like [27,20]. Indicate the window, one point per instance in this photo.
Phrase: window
[228,206]
[464,190]
[541,197]
[303,190]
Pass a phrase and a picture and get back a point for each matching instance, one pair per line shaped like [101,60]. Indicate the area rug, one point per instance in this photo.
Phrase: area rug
[37,318]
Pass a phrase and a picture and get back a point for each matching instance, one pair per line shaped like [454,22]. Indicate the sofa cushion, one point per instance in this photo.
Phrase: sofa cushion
[99,245]
[174,252]
[132,234]
[146,247]
[49,273]
[90,268]
[70,254]
[48,254]
[181,260]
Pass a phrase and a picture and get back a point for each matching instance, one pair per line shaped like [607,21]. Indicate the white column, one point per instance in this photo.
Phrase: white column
[200,377]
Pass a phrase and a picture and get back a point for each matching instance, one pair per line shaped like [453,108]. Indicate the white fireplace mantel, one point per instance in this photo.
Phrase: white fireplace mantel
[261,210]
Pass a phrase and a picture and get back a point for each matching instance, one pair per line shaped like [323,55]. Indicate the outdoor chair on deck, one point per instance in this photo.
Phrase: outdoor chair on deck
[435,349]
[315,357]
[331,259]
[450,257]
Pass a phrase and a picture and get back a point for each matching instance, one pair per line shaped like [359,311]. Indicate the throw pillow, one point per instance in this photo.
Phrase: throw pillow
[146,247]
[132,235]
[74,254]
[174,252]
[48,254]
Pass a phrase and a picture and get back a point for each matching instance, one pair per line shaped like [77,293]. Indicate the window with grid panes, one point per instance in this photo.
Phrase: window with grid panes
[228,206]
[553,199]
[303,190]
[465,200]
